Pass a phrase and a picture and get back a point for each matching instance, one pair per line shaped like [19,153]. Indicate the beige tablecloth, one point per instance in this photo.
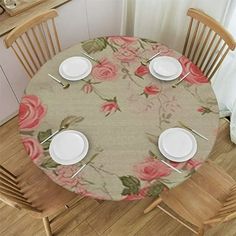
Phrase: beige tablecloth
[122,109]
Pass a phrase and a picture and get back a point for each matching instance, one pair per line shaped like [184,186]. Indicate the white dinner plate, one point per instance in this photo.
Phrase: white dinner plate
[177,144]
[68,147]
[75,68]
[165,68]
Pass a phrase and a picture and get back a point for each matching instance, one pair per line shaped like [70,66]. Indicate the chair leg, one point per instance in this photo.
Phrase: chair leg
[153,205]
[47,227]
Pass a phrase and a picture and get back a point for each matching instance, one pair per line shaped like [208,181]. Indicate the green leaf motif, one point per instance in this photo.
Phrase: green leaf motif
[126,191]
[148,41]
[94,45]
[43,135]
[29,133]
[71,120]
[152,138]
[168,116]
[155,190]
[152,154]
[49,164]
[131,183]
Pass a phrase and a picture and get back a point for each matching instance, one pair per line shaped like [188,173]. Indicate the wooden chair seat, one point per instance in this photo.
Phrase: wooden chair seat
[209,196]
[199,198]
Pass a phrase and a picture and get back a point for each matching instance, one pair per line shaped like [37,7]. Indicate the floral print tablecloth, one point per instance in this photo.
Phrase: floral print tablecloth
[122,109]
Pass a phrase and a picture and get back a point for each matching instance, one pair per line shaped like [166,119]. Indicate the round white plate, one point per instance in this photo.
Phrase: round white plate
[177,144]
[68,147]
[165,68]
[75,68]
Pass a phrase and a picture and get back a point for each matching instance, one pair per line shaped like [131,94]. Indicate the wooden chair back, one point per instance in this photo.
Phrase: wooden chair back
[11,193]
[227,211]
[207,42]
[35,41]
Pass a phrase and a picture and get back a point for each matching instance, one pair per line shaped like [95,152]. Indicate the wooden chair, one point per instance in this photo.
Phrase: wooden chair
[207,42]
[33,191]
[35,41]
[206,199]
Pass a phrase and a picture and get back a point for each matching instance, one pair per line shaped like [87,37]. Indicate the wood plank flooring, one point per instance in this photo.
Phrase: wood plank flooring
[92,218]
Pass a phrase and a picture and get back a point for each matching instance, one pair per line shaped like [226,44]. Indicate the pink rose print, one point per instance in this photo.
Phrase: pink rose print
[201,109]
[31,112]
[192,164]
[105,70]
[126,54]
[87,88]
[141,71]
[164,50]
[188,165]
[64,174]
[122,41]
[204,110]
[32,147]
[151,90]
[140,195]
[151,169]
[196,76]
[110,107]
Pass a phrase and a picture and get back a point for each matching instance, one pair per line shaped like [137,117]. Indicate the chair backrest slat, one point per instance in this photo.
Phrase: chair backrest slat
[17,203]
[24,57]
[43,39]
[210,45]
[33,48]
[198,43]
[228,209]
[209,58]
[227,203]
[22,62]
[193,39]
[217,57]
[218,64]
[35,42]
[205,49]
[39,45]
[203,45]
[8,178]
[56,35]
[50,38]
[9,184]
[16,195]
[28,52]
[187,37]
[8,173]
[11,192]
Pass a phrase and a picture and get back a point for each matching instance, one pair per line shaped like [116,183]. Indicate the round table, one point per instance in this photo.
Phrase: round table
[122,109]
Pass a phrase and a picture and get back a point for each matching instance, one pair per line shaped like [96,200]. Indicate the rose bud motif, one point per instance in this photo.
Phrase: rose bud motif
[151,90]
[141,71]
[87,88]
[110,106]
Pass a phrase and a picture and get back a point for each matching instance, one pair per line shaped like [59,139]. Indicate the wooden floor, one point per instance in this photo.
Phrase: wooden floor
[90,218]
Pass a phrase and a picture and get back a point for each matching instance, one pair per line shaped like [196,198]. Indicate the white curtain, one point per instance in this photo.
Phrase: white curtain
[165,21]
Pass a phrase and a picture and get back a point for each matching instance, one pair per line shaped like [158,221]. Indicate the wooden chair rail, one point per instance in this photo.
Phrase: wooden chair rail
[35,41]
[15,33]
[213,24]
[207,42]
